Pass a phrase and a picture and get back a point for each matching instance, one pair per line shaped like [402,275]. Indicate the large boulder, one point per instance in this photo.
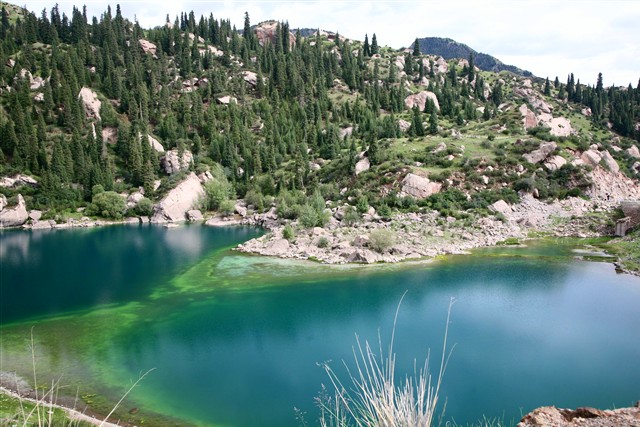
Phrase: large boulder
[560,126]
[147,46]
[15,216]
[420,100]
[541,153]
[172,162]
[633,151]
[90,103]
[501,207]
[610,162]
[363,165]
[174,206]
[591,158]
[403,125]
[155,144]
[110,135]
[554,163]
[226,100]
[419,187]
[250,77]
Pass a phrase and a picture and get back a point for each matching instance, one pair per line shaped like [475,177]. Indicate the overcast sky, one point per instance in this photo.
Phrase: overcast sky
[547,37]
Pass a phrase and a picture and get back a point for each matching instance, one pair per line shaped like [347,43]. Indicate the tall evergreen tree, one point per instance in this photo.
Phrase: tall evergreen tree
[374,45]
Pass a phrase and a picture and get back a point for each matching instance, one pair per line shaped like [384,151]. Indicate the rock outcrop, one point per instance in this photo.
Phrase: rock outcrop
[226,100]
[419,187]
[550,416]
[15,216]
[420,100]
[172,162]
[541,153]
[250,77]
[529,118]
[18,181]
[363,165]
[110,135]
[266,32]
[174,206]
[90,103]
[148,47]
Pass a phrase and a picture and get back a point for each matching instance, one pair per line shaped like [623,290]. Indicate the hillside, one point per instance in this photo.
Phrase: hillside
[450,49]
[101,119]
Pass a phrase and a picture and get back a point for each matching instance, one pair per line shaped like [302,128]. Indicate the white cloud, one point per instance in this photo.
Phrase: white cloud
[544,36]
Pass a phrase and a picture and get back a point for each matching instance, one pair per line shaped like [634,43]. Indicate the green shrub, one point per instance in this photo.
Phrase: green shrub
[255,198]
[380,240]
[362,205]
[323,242]
[288,232]
[308,217]
[144,207]
[350,217]
[107,204]
[217,190]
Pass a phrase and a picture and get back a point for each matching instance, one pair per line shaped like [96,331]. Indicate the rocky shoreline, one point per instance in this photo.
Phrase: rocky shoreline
[422,235]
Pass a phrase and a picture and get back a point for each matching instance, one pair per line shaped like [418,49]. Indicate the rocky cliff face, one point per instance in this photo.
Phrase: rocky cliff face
[175,205]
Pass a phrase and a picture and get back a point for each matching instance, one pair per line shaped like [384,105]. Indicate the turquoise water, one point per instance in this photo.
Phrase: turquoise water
[236,340]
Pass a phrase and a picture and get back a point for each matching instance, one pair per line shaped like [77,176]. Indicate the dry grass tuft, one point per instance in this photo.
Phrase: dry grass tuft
[373,399]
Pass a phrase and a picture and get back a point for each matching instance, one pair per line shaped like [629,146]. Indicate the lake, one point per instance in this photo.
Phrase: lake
[236,340]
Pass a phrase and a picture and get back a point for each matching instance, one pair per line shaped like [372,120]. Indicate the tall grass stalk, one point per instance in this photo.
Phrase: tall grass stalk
[373,399]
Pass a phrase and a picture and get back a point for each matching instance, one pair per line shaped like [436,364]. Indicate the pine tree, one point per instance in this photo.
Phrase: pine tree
[417,128]
[547,87]
[416,47]
[433,122]
[366,50]
[374,45]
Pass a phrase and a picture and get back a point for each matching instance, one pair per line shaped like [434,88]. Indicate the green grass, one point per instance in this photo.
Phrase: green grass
[627,250]
[18,412]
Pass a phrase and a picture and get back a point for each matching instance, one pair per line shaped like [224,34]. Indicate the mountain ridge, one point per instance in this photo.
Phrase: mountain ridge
[451,49]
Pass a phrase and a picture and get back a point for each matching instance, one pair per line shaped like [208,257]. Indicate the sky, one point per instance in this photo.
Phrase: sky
[547,37]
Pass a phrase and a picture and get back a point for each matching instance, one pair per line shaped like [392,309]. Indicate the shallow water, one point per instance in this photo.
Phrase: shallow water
[236,340]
